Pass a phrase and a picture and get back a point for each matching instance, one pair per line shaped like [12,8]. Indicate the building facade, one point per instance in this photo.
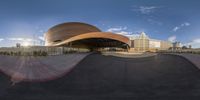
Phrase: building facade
[177,46]
[83,35]
[165,45]
[143,43]
[154,44]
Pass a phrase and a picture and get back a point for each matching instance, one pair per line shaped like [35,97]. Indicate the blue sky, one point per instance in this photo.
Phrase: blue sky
[173,20]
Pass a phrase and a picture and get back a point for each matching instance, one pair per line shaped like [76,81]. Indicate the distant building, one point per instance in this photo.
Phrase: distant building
[154,44]
[79,35]
[143,43]
[177,46]
[165,45]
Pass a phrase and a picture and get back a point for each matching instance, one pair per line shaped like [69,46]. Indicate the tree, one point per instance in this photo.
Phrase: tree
[184,47]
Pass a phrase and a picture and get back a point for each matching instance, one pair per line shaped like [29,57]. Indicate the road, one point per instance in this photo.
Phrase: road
[98,77]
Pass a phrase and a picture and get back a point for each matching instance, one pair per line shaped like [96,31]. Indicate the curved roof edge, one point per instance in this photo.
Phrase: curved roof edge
[107,35]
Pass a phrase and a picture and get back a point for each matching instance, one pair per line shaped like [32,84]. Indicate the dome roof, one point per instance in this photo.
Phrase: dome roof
[82,35]
[75,26]
[67,30]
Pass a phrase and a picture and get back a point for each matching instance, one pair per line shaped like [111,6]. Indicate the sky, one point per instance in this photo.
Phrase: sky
[23,21]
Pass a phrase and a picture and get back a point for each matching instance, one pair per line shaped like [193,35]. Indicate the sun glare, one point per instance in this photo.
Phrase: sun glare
[26,44]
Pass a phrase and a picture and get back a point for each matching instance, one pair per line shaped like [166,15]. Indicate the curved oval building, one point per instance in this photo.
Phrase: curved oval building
[82,35]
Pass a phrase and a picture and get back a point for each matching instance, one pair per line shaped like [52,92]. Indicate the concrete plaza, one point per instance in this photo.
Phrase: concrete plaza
[30,68]
[98,77]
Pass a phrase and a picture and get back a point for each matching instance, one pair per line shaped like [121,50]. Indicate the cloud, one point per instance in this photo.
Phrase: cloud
[41,31]
[172,38]
[116,29]
[145,9]
[1,39]
[195,43]
[41,38]
[181,26]
[133,36]
[152,21]
[123,33]
[119,30]
[16,39]
[196,40]
[21,39]
[185,24]
[176,28]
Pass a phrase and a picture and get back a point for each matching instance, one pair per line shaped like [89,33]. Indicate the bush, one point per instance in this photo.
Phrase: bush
[19,53]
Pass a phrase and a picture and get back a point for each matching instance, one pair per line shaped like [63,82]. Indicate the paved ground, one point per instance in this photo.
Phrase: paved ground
[194,58]
[163,77]
[27,68]
[129,54]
